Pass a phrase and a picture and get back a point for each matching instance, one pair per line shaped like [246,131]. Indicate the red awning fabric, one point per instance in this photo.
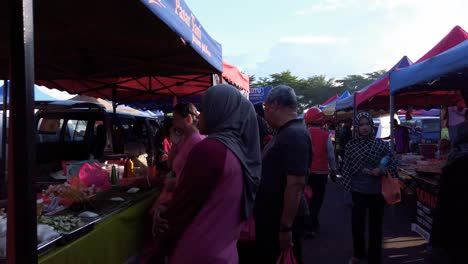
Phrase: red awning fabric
[135,89]
[235,77]
[453,38]
[147,88]
[330,99]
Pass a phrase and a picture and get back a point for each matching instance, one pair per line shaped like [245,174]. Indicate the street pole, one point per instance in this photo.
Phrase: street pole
[22,223]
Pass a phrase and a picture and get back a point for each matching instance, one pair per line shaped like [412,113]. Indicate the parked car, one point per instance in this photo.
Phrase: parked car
[423,129]
[73,130]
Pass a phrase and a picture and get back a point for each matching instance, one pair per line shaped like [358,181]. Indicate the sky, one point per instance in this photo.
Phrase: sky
[327,37]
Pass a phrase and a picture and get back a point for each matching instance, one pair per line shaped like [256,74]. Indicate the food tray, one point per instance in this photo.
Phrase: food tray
[45,247]
[68,237]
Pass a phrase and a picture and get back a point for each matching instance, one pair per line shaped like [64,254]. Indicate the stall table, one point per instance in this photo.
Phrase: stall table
[119,234]
[426,188]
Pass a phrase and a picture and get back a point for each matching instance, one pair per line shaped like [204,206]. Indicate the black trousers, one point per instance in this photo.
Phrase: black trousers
[266,240]
[318,183]
[371,205]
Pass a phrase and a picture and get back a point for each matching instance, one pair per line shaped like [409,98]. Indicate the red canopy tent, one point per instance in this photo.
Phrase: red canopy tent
[453,38]
[432,99]
[330,99]
[151,88]
[235,77]
[377,95]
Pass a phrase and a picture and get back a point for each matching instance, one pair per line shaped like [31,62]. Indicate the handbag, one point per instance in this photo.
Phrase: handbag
[287,257]
[391,189]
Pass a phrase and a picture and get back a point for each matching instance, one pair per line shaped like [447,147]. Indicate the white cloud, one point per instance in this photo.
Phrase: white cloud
[311,39]
[328,5]
[371,5]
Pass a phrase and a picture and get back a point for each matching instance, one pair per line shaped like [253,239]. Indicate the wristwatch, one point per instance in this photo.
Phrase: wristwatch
[285,228]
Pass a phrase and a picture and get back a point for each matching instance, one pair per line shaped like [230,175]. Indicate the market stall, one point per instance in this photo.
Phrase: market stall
[438,80]
[86,41]
[420,177]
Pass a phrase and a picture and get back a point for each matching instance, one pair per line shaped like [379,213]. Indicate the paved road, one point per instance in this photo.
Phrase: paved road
[401,245]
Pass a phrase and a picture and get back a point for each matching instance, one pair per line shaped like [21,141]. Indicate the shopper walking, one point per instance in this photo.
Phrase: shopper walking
[286,161]
[362,175]
[322,165]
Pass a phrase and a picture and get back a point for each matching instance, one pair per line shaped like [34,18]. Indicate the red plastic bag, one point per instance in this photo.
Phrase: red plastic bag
[391,189]
[92,173]
[287,257]
[308,193]
[248,230]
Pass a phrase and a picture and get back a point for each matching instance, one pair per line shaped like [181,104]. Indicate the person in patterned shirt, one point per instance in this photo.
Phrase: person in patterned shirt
[362,175]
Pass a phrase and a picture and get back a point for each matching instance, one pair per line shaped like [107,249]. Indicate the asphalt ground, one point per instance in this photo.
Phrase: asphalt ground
[400,244]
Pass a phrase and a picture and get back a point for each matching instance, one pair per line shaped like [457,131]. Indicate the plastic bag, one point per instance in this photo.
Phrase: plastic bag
[391,189]
[287,257]
[92,173]
[308,193]
[248,230]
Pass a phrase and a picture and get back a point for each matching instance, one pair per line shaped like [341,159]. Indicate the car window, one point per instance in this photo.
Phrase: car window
[431,126]
[48,129]
[75,130]
[129,127]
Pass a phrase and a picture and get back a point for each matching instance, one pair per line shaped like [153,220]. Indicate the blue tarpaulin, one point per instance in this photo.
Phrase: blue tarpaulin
[258,95]
[446,71]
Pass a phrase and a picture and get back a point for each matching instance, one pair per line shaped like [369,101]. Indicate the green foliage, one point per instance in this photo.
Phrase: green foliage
[316,89]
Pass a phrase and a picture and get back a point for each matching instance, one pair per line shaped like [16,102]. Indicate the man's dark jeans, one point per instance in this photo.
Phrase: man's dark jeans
[318,183]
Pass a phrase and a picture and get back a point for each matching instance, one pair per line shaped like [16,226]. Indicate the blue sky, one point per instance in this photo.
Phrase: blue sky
[330,37]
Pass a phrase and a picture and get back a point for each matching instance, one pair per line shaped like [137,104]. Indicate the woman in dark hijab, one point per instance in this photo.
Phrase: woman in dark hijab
[362,172]
[217,186]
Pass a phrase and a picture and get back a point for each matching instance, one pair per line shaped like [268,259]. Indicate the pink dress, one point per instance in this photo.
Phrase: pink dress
[212,237]
[183,151]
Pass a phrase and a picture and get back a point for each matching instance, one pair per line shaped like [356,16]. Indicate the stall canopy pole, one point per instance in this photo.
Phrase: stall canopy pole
[392,126]
[22,233]
[3,166]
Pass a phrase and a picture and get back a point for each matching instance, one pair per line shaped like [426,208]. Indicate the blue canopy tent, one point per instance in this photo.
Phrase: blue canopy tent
[341,97]
[444,72]
[439,80]
[330,109]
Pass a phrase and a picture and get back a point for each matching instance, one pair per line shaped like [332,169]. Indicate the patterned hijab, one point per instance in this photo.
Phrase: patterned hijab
[364,150]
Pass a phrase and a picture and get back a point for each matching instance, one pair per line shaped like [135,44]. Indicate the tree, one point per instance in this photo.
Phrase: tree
[318,88]
[355,82]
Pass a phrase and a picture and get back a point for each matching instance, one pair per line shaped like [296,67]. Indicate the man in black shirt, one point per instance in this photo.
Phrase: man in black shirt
[286,161]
